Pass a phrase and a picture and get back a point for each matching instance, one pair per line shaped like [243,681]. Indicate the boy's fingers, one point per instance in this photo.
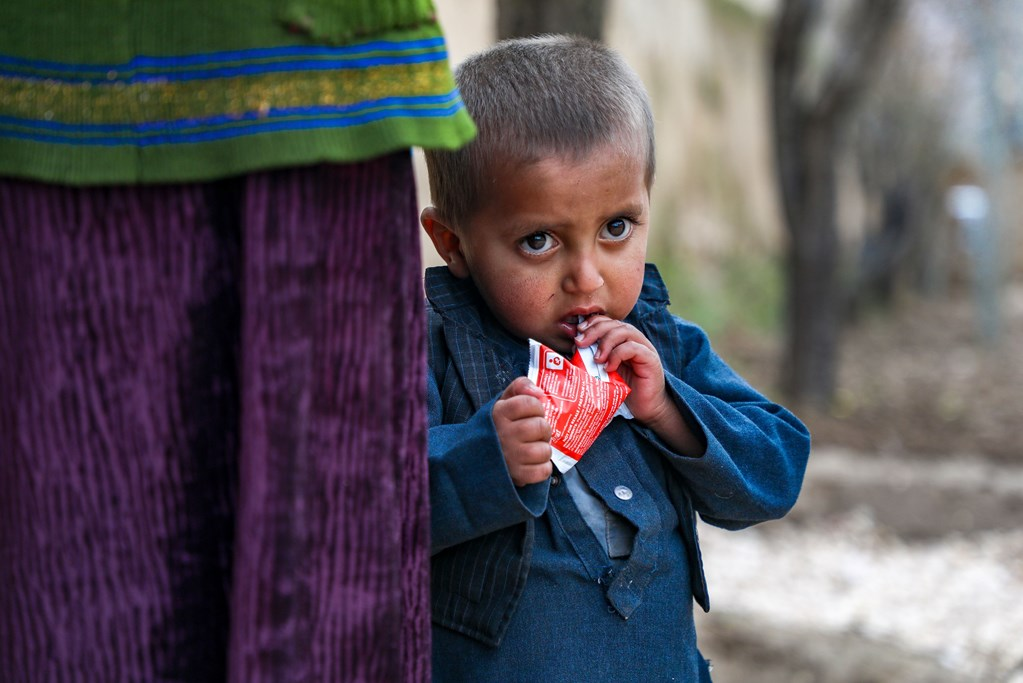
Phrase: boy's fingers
[533,429]
[521,386]
[592,329]
[604,329]
[532,474]
[632,352]
[535,453]
[518,408]
[619,334]
[609,335]
[521,399]
[537,450]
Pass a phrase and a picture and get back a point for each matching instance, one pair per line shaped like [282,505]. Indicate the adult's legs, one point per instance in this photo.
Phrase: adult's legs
[118,327]
[331,574]
[199,376]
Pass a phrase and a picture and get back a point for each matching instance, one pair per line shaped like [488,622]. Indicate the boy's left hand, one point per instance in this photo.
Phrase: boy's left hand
[623,348]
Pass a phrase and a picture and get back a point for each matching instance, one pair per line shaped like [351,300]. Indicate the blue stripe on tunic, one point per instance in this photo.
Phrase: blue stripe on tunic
[167,67]
[230,127]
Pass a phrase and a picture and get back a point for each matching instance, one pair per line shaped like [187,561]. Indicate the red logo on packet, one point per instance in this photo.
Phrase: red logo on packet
[578,405]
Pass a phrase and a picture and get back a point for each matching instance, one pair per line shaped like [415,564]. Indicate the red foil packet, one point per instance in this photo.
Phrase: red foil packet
[578,405]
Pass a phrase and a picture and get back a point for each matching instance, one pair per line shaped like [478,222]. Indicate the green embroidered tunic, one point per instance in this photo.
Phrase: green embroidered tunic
[126,91]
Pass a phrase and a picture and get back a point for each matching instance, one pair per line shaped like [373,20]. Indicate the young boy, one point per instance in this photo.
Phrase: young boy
[542,221]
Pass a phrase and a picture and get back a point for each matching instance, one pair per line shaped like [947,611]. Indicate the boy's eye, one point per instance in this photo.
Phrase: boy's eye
[617,229]
[537,243]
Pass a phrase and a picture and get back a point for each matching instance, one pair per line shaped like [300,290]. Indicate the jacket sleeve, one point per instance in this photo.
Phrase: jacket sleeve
[757,450]
[471,492]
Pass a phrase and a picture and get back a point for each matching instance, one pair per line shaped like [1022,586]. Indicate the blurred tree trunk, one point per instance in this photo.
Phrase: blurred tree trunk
[810,117]
[519,18]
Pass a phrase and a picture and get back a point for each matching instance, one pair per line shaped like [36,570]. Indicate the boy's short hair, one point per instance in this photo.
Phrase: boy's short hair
[538,97]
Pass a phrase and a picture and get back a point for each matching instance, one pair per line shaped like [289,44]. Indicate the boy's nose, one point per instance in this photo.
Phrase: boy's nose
[584,277]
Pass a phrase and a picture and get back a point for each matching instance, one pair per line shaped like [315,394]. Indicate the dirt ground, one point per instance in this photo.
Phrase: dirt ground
[903,559]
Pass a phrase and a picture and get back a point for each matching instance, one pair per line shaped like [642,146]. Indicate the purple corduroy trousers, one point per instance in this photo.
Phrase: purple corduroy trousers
[212,430]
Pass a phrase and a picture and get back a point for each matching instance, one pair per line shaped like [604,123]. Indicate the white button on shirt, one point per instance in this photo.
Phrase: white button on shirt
[623,492]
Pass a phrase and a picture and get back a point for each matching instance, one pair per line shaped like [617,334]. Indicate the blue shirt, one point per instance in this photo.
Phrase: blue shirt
[522,589]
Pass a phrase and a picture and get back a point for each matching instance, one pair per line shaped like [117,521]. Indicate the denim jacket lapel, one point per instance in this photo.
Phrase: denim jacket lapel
[484,356]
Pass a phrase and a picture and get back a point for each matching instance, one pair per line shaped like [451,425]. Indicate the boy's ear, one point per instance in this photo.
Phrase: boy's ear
[445,241]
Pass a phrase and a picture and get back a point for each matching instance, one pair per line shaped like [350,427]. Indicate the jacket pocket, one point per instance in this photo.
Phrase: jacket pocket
[475,586]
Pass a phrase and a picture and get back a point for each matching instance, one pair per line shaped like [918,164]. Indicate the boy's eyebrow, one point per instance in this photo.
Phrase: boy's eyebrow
[525,226]
[630,209]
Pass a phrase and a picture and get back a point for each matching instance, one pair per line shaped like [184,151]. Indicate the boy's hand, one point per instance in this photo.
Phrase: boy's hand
[626,350]
[523,432]
[623,348]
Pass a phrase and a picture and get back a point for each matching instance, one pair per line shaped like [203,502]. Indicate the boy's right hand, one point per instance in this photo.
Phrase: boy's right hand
[523,432]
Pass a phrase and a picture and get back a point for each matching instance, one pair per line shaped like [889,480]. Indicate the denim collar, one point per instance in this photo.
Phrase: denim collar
[485,355]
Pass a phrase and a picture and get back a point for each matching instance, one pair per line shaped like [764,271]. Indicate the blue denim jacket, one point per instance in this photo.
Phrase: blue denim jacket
[484,528]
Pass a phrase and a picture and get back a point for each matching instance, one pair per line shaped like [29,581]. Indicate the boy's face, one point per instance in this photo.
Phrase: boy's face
[555,240]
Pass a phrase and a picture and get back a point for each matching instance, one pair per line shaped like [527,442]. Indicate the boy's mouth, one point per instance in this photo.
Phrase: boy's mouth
[570,323]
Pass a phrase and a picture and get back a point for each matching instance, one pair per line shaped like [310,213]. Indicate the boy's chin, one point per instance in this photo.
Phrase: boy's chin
[563,346]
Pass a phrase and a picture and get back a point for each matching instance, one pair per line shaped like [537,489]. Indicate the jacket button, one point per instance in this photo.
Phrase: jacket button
[623,492]
[555,480]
